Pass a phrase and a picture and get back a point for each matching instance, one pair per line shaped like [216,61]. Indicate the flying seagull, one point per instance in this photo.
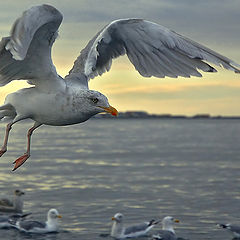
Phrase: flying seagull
[26,55]
[119,231]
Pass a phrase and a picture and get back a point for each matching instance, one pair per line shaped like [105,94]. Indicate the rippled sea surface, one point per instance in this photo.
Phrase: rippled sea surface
[145,169]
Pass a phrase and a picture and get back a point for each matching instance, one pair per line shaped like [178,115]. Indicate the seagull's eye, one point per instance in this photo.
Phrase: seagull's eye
[94,100]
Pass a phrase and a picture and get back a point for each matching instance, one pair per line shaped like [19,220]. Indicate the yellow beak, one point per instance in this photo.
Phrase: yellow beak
[59,216]
[176,221]
[113,218]
[110,110]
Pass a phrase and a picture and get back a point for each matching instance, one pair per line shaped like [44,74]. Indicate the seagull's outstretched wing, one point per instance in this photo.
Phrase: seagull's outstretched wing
[26,54]
[153,49]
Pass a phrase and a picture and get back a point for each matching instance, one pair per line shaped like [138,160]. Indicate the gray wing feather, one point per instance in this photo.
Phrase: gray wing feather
[29,225]
[153,50]
[136,228]
[26,54]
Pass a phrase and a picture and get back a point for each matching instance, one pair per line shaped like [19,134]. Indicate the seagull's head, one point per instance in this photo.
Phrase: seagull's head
[96,102]
[18,192]
[53,214]
[168,222]
[118,217]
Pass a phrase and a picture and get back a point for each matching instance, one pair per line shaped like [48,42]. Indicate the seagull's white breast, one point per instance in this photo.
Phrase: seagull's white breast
[60,108]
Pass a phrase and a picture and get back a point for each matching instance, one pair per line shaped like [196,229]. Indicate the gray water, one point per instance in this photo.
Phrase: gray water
[145,169]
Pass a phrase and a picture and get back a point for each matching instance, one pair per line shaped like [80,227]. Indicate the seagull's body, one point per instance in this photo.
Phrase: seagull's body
[61,108]
[51,225]
[233,229]
[16,205]
[26,55]
[167,232]
[119,231]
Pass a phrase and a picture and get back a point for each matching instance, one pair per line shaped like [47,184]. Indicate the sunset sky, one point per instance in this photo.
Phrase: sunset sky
[215,23]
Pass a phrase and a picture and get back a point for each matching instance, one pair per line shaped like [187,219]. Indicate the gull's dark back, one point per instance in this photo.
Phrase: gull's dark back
[28,225]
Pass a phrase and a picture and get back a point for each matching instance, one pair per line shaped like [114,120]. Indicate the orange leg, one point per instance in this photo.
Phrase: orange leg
[26,155]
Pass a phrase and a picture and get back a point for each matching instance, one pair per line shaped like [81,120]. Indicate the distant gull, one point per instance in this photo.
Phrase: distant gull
[7,221]
[167,232]
[154,50]
[120,231]
[15,205]
[51,225]
[234,229]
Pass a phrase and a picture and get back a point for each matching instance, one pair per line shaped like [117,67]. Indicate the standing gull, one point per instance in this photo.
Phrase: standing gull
[51,225]
[234,229]
[26,55]
[16,205]
[120,231]
[167,232]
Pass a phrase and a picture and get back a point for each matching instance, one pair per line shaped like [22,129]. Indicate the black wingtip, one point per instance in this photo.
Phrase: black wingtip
[153,222]
[212,69]
[222,225]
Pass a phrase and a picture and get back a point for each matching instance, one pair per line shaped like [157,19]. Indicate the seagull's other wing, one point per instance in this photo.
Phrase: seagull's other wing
[153,50]
[138,230]
[26,54]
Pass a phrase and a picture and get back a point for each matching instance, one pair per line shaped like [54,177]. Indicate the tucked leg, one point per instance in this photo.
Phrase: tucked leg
[26,155]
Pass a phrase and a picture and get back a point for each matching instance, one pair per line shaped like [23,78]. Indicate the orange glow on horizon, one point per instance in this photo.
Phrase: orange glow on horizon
[127,90]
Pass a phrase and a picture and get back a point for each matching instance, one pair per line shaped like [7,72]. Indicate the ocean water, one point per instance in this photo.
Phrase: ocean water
[145,169]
